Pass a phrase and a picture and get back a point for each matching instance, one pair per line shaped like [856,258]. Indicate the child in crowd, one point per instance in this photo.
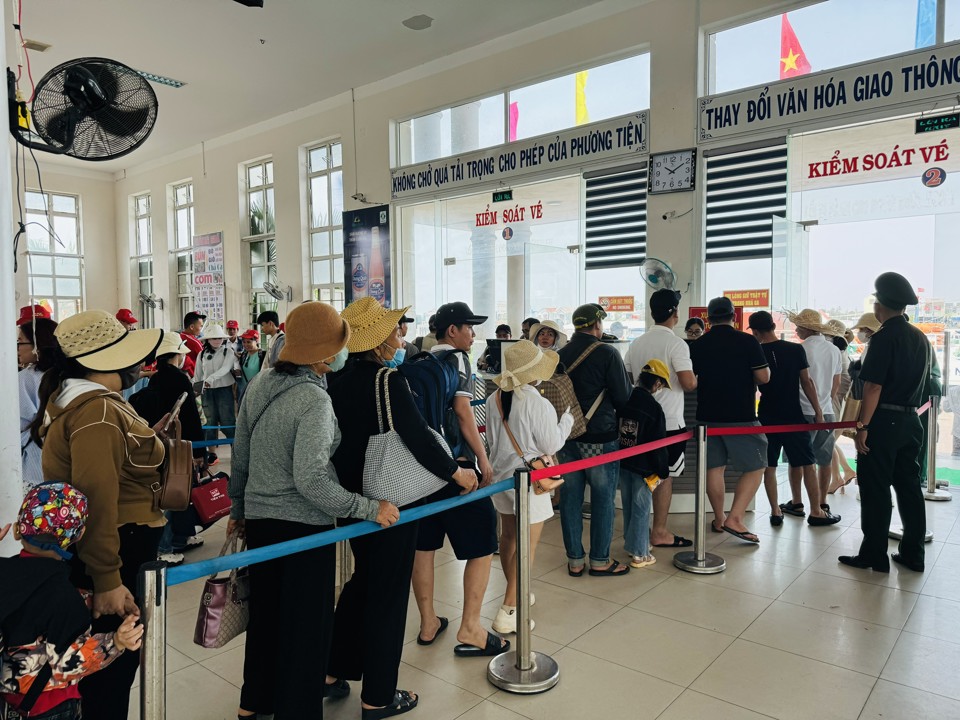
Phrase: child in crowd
[642,421]
[45,634]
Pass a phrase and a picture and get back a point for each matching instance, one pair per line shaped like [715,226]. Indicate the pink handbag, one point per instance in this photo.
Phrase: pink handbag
[224,608]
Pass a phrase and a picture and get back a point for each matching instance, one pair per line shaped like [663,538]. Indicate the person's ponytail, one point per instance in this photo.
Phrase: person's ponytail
[61,368]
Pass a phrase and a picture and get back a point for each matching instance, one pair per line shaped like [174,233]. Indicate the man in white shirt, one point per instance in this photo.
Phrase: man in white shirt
[661,342]
[825,368]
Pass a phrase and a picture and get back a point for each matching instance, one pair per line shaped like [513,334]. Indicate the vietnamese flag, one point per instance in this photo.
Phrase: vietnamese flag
[793,61]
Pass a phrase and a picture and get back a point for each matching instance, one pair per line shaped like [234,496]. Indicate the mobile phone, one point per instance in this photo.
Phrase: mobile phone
[175,411]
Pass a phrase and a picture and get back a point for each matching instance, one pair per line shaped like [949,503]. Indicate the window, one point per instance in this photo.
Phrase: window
[54,256]
[182,243]
[325,196]
[143,258]
[260,234]
[588,95]
[828,34]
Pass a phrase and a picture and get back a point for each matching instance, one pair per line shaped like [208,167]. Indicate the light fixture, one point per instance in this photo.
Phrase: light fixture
[418,22]
[161,79]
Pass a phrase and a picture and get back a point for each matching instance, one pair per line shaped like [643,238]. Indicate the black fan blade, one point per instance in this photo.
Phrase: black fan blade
[122,123]
[106,78]
[61,129]
[81,86]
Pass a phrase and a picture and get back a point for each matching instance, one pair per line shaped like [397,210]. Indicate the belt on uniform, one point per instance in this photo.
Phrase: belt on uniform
[897,408]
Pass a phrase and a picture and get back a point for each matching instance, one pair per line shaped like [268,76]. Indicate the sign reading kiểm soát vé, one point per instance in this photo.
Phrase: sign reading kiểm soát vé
[749,298]
[617,303]
[883,86]
[624,136]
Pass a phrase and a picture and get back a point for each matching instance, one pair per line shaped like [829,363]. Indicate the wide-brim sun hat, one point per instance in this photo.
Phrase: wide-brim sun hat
[315,332]
[868,321]
[98,341]
[172,343]
[834,328]
[562,338]
[213,331]
[370,323]
[523,363]
[808,319]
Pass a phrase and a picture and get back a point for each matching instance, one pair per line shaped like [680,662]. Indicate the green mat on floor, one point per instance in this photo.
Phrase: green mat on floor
[951,475]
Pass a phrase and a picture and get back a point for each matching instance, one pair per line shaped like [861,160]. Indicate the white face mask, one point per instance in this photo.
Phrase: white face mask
[862,336]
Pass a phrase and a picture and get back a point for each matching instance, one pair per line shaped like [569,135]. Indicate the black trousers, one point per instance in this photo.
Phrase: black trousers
[372,612]
[894,441]
[106,694]
[291,615]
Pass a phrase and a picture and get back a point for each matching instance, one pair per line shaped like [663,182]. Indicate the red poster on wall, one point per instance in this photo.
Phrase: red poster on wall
[701,312]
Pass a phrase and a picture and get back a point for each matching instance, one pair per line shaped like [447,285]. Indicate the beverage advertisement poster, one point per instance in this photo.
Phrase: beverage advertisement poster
[208,290]
[366,254]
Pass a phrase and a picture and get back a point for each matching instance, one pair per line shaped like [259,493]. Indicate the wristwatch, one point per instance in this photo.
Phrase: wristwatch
[861,426]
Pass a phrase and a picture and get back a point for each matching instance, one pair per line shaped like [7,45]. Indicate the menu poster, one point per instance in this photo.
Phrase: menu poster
[208,290]
[366,254]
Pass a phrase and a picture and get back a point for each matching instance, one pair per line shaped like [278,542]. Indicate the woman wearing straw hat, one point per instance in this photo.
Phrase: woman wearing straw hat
[518,413]
[283,488]
[548,335]
[97,442]
[372,609]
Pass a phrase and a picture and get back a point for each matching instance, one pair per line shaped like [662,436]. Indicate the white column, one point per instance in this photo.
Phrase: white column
[11,492]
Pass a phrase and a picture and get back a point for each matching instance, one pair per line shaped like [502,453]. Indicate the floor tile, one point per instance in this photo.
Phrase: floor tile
[860,600]
[176,660]
[849,643]
[899,577]
[412,627]
[228,665]
[692,704]
[448,584]
[180,629]
[926,664]
[697,603]
[672,651]
[889,700]
[791,551]
[935,617]
[489,711]
[563,615]
[621,590]
[783,685]
[591,687]
[196,692]
[750,575]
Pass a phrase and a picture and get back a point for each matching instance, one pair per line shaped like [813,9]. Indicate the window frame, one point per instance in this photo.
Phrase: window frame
[52,252]
[146,313]
[259,299]
[185,301]
[334,291]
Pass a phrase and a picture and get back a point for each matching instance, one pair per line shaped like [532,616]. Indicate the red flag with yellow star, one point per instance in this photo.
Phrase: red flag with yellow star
[793,60]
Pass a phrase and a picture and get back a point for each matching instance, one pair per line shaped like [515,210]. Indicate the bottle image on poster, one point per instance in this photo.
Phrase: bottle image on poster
[377,288]
[359,273]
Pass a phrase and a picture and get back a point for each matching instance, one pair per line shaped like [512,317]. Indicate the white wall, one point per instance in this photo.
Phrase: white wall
[669,29]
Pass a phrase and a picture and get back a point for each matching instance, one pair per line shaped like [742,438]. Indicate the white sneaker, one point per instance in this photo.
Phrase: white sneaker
[639,561]
[194,541]
[506,620]
[171,558]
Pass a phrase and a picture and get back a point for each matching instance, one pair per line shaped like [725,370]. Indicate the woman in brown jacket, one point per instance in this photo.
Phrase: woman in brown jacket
[94,440]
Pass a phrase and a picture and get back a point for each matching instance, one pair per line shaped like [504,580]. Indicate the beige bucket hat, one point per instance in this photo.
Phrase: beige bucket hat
[562,338]
[524,362]
[370,323]
[98,341]
[808,319]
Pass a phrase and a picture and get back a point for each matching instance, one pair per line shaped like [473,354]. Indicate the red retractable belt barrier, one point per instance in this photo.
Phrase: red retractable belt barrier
[772,429]
[609,457]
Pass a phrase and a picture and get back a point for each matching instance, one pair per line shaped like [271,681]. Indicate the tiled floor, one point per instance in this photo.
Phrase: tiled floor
[784,632]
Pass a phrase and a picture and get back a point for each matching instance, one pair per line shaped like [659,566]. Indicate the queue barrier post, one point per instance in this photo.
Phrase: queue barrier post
[153,654]
[698,560]
[522,670]
[946,384]
[932,493]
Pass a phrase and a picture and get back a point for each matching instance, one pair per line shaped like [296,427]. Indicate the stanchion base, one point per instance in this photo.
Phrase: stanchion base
[898,535]
[504,673]
[943,483]
[710,564]
[938,495]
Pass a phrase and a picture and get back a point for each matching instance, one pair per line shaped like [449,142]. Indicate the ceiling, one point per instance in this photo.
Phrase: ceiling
[246,65]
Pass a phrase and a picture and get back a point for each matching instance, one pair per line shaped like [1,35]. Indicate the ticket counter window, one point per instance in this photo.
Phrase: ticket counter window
[507,260]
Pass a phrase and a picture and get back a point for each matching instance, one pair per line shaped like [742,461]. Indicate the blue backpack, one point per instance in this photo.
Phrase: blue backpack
[434,381]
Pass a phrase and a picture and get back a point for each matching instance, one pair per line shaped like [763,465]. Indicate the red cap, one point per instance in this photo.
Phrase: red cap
[27,314]
[233,324]
[251,335]
[125,316]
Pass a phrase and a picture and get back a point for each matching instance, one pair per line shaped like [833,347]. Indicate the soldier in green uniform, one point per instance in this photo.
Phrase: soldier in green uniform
[889,433]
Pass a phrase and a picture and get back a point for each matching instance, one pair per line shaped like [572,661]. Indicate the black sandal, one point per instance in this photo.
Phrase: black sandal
[571,573]
[494,646]
[443,626]
[403,701]
[615,568]
[337,690]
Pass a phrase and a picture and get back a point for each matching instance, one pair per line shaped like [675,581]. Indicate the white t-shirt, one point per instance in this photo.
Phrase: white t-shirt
[825,362]
[661,343]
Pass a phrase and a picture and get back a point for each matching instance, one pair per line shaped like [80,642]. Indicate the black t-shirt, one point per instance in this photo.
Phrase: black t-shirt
[724,360]
[780,398]
[898,361]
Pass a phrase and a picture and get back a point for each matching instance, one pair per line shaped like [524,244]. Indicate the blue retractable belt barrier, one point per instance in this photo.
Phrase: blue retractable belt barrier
[211,443]
[219,427]
[192,571]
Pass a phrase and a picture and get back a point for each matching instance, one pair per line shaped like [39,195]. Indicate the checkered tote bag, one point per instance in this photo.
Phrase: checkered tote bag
[224,605]
[390,471]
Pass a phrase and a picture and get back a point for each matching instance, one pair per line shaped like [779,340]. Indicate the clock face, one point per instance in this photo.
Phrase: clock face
[672,171]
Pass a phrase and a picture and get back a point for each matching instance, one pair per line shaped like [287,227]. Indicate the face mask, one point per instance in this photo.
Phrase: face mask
[397,360]
[129,376]
[215,344]
[862,336]
[339,360]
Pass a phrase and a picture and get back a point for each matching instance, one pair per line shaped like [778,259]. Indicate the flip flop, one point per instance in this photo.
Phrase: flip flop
[678,541]
[403,701]
[495,645]
[571,573]
[443,626]
[613,569]
[746,535]
[714,528]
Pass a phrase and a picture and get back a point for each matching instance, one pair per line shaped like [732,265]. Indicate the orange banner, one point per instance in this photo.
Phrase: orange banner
[617,303]
[749,298]
[701,312]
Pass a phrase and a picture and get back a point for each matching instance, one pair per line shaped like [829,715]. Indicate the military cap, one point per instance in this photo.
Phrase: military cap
[894,291]
[587,315]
